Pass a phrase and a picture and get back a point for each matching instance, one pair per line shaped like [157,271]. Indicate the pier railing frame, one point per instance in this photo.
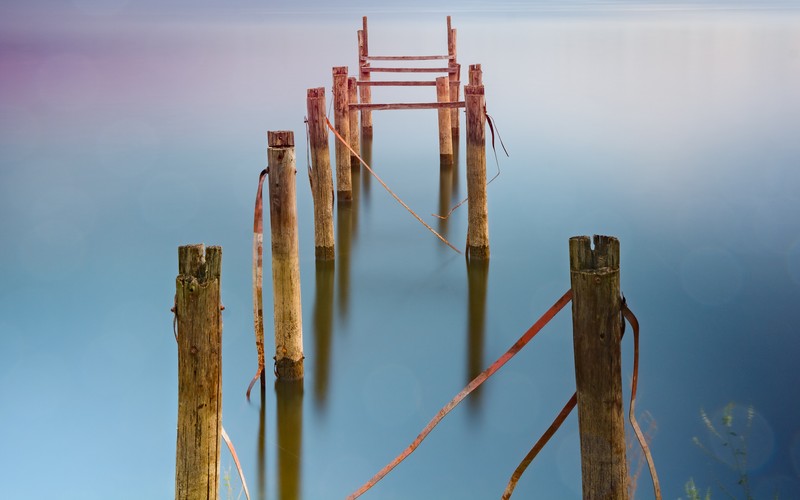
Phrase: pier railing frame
[365,81]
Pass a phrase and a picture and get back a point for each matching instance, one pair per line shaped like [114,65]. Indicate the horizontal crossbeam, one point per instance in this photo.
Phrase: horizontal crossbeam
[408,105]
[407,83]
[371,69]
[405,58]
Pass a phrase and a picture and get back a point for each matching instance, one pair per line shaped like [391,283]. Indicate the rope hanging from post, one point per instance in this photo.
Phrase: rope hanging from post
[225,437]
[369,169]
[492,127]
[634,384]
[474,384]
[258,280]
[512,483]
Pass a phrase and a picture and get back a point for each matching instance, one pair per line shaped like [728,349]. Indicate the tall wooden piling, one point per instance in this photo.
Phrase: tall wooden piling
[285,256]
[475,74]
[597,331]
[320,175]
[455,77]
[199,322]
[365,93]
[455,94]
[341,115]
[352,98]
[478,212]
[445,129]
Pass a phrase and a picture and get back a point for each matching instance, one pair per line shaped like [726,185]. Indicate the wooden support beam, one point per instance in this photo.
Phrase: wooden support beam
[596,334]
[320,175]
[199,330]
[410,105]
[445,129]
[477,210]
[406,58]
[285,256]
[398,83]
[364,92]
[352,97]
[408,70]
[341,114]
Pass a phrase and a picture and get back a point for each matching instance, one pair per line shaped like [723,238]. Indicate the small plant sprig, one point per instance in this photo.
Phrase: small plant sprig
[692,493]
[729,439]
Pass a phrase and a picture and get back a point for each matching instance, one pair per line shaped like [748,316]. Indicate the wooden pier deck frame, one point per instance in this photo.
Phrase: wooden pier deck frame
[365,82]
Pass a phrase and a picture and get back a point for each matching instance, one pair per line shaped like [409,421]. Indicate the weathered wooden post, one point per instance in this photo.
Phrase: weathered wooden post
[285,256]
[341,115]
[455,74]
[596,333]
[199,320]
[352,98]
[445,129]
[320,175]
[475,74]
[455,93]
[365,93]
[477,211]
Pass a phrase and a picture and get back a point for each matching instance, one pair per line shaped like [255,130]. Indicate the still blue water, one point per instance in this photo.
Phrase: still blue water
[124,137]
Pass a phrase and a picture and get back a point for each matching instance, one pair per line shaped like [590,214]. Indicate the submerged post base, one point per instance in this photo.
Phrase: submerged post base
[478,253]
[344,196]
[324,253]
[288,369]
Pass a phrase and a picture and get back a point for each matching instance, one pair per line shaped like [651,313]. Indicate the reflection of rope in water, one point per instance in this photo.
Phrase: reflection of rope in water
[492,127]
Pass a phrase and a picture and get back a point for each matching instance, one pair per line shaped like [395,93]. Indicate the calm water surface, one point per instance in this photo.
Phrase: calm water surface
[124,137]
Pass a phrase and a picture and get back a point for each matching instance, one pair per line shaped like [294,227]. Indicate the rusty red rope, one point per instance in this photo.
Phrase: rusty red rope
[631,413]
[475,383]
[512,483]
[258,279]
[369,169]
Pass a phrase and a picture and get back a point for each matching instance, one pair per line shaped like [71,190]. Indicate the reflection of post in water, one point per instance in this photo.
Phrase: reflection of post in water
[355,176]
[290,437]
[445,195]
[262,447]
[454,191]
[477,281]
[344,233]
[323,327]
[366,154]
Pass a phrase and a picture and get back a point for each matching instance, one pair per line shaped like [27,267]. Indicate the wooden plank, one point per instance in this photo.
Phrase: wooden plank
[409,70]
[407,58]
[395,83]
[320,175]
[409,105]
